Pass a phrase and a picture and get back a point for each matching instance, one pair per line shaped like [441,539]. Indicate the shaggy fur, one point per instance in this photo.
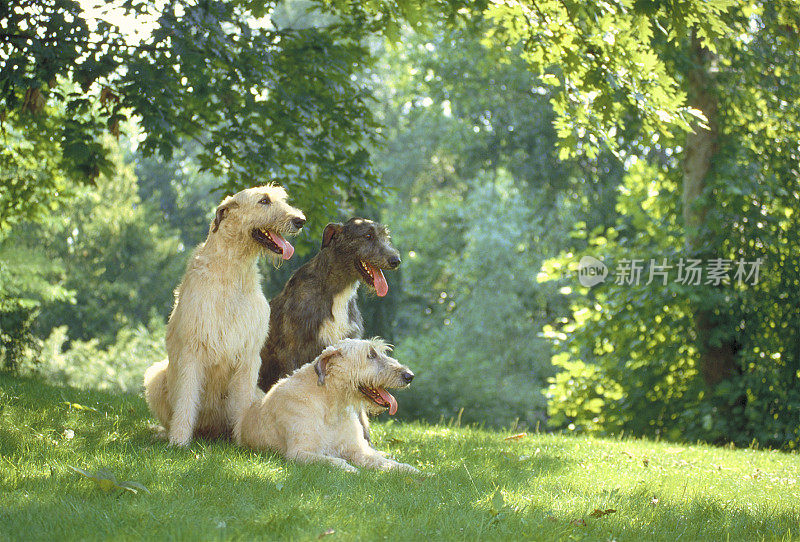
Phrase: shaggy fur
[220,319]
[317,306]
[311,416]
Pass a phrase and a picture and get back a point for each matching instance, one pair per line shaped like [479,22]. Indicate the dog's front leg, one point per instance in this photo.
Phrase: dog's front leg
[314,457]
[364,419]
[186,402]
[241,394]
[373,459]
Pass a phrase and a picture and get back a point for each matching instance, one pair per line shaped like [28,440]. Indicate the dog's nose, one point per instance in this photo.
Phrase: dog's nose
[407,377]
[298,222]
[394,261]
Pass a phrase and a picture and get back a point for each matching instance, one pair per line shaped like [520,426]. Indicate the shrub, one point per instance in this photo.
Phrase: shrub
[120,367]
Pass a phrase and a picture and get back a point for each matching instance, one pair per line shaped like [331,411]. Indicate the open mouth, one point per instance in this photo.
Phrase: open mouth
[373,276]
[274,242]
[380,397]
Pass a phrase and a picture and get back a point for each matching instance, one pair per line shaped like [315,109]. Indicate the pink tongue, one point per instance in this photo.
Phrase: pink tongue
[287,248]
[379,281]
[386,396]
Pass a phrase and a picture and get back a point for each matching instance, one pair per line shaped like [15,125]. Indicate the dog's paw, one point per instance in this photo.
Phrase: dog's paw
[158,431]
[405,467]
[180,439]
[402,467]
[347,467]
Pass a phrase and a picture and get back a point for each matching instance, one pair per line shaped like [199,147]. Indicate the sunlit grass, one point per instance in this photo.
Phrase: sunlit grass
[477,485]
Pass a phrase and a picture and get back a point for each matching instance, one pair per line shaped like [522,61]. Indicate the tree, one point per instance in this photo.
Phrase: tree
[702,360]
[277,102]
[265,102]
[113,254]
[478,200]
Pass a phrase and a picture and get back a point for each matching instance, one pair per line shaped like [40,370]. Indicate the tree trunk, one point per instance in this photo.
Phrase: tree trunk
[717,362]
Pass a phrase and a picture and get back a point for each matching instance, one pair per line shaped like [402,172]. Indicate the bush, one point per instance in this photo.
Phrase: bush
[120,367]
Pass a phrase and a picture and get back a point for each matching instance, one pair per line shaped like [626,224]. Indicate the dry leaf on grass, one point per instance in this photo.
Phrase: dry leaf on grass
[598,512]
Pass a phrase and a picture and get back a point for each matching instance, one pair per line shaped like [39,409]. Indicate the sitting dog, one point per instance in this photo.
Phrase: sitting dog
[220,319]
[317,306]
[311,415]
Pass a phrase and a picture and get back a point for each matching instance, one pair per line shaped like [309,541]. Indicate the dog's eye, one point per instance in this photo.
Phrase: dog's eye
[264,200]
[372,353]
[368,236]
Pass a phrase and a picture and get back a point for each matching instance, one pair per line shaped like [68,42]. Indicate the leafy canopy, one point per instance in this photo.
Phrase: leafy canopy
[270,99]
[600,55]
[264,100]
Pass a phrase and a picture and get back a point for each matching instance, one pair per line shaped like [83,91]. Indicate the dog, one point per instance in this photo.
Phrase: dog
[221,319]
[317,306]
[312,415]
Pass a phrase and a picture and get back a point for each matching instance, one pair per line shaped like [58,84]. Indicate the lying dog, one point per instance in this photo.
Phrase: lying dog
[311,415]
[220,319]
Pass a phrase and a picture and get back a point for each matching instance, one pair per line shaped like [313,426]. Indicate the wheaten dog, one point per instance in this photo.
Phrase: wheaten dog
[312,415]
[221,319]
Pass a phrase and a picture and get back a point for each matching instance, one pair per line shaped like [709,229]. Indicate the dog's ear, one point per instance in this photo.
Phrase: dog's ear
[321,363]
[331,230]
[222,211]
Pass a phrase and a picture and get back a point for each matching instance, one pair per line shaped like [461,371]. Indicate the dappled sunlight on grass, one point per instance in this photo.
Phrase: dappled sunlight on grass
[475,484]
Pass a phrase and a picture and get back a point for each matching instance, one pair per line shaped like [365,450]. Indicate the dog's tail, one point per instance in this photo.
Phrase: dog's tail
[155,391]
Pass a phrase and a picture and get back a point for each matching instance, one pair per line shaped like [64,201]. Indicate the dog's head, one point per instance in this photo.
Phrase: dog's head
[366,247]
[364,370]
[262,214]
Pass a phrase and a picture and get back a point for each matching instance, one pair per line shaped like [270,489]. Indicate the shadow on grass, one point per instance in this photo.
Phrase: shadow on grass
[692,519]
[217,490]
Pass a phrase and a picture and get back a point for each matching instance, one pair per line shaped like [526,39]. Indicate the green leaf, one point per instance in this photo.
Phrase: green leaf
[497,502]
[106,481]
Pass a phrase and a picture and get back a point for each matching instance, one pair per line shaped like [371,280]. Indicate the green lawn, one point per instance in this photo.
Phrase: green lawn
[477,485]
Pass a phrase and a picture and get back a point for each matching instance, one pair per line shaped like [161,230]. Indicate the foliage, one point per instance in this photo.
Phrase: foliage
[486,279]
[268,98]
[18,343]
[86,364]
[110,240]
[473,102]
[31,181]
[644,339]
[27,279]
[263,101]
[480,201]
[177,192]
[477,484]
[601,58]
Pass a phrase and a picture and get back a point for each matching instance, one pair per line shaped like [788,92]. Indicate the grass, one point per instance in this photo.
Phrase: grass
[477,485]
